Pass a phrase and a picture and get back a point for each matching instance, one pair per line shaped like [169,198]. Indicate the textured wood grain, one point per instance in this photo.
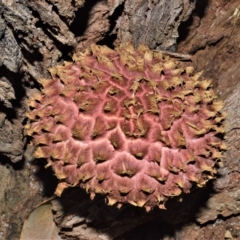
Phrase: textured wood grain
[154,23]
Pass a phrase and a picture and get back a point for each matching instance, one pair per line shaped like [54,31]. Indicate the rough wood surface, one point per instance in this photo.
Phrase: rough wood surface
[36,35]
[154,23]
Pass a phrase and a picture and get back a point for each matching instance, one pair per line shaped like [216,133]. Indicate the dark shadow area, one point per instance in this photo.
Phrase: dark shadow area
[201,5]
[154,230]
[10,112]
[80,23]
[131,222]
[46,177]
[110,37]
[166,222]
[185,27]
[108,40]
[6,161]
[33,56]
[30,83]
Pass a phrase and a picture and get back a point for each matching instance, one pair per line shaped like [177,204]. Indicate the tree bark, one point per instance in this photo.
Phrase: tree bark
[37,35]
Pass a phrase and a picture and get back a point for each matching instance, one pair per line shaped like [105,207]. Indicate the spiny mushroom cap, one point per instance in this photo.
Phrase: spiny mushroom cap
[130,124]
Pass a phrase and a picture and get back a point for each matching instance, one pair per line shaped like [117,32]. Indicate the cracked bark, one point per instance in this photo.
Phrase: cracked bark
[36,35]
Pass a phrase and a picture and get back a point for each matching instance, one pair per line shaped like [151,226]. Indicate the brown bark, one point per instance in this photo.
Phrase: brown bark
[154,23]
[36,35]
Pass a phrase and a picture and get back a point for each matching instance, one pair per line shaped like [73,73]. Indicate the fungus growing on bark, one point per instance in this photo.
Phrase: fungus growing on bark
[133,125]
